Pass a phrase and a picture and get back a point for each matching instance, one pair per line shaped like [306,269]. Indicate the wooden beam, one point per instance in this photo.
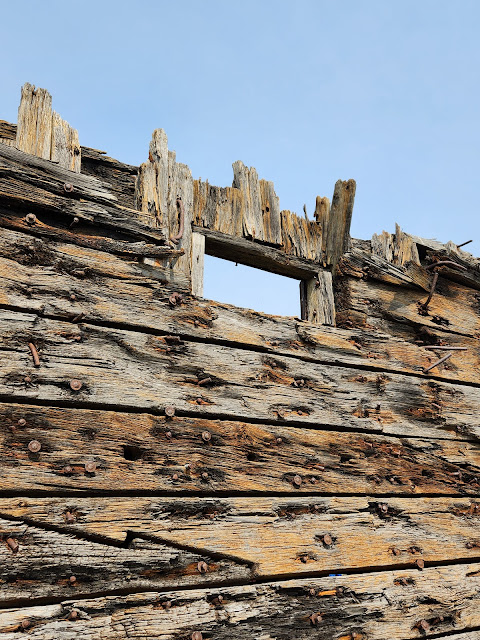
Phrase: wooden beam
[198,258]
[317,300]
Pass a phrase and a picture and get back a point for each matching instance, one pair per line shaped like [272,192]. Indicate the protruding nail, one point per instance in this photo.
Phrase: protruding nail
[12,544]
[68,187]
[33,349]
[34,446]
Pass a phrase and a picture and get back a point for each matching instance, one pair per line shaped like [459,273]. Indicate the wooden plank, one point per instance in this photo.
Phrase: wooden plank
[270,204]
[198,260]
[301,238]
[125,369]
[375,606]
[65,149]
[143,452]
[151,190]
[246,180]
[279,536]
[40,563]
[336,233]
[40,276]
[8,133]
[218,208]
[34,125]
[255,254]
[317,300]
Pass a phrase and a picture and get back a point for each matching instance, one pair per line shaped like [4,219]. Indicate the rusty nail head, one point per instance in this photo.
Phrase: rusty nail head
[220,598]
[73,296]
[22,422]
[312,592]
[68,187]
[205,475]
[75,385]
[27,379]
[423,624]
[206,436]
[202,567]
[395,551]
[12,545]
[279,440]
[175,476]
[30,218]
[33,349]
[90,467]
[469,545]
[73,615]
[315,618]
[70,518]
[25,624]
[327,539]
[34,446]
[170,411]
[67,469]
[297,480]
[420,563]
[168,434]
[72,580]
[197,635]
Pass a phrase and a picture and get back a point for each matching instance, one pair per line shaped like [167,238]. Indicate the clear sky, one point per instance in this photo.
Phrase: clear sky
[385,92]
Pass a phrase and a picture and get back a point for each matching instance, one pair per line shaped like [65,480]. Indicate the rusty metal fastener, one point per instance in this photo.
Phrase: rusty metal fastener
[181,225]
[442,262]
[202,567]
[74,222]
[204,381]
[67,469]
[297,480]
[90,467]
[197,635]
[279,440]
[420,563]
[25,624]
[30,218]
[435,364]
[73,615]
[22,422]
[68,187]
[27,379]
[34,446]
[12,544]
[76,385]
[170,411]
[462,244]
[206,436]
[175,298]
[312,592]
[175,476]
[445,347]
[423,624]
[72,580]
[432,289]
[327,539]
[33,349]
[70,518]
[315,618]
[205,475]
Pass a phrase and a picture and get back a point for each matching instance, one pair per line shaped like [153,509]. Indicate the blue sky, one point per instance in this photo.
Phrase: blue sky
[308,92]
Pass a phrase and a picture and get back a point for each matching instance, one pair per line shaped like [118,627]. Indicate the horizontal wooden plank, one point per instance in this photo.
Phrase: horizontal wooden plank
[32,184]
[128,369]
[453,307]
[44,564]
[256,255]
[40,275]
[282,535]
[396,604]
[142,452]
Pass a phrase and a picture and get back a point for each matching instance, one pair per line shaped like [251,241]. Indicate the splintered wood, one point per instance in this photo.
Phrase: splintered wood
[178,468]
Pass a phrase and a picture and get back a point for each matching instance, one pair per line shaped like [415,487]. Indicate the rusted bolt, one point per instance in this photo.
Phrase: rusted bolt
[312,592]
[77,318]
[420,563]
[170,411]
[73,297]
[469,545]
[395,551]
[68,187]
[327,539]
[68,469]
[279,440]
[175,476]
[204,381]
[202,567]
[168,434]
[12,544]
[315,618]
[72,580]
[25,624]
[91,466]
[73,615]
[76,385]
[27,379]
[205,475]
[34,446]
[206,436]
[70,518]
[197,635]
[22,422]
[30,218]
[174,299]
[36,359]
[297,480]
[423,624]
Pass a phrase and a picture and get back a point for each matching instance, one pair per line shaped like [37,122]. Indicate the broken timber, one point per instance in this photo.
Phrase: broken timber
[173,467]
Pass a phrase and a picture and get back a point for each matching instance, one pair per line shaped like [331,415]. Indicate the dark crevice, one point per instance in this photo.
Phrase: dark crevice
[245,347]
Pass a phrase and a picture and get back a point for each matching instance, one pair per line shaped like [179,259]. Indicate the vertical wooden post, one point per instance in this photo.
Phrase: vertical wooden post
[198,260]
[316,299]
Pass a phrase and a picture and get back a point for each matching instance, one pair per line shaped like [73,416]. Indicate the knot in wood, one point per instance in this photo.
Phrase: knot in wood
[73,615]
[72,580]
[34,446]
[25,624]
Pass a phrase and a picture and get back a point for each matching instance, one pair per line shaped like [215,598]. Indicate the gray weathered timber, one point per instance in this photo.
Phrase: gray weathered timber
[41,276]
[197,265]
[375,606]
[56,564]
[278,536]
[125,369]
[254,254]
[317,300]
[142,452]
[301,238]
[336,233]
[218,208]
[246,180]
[65,145]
